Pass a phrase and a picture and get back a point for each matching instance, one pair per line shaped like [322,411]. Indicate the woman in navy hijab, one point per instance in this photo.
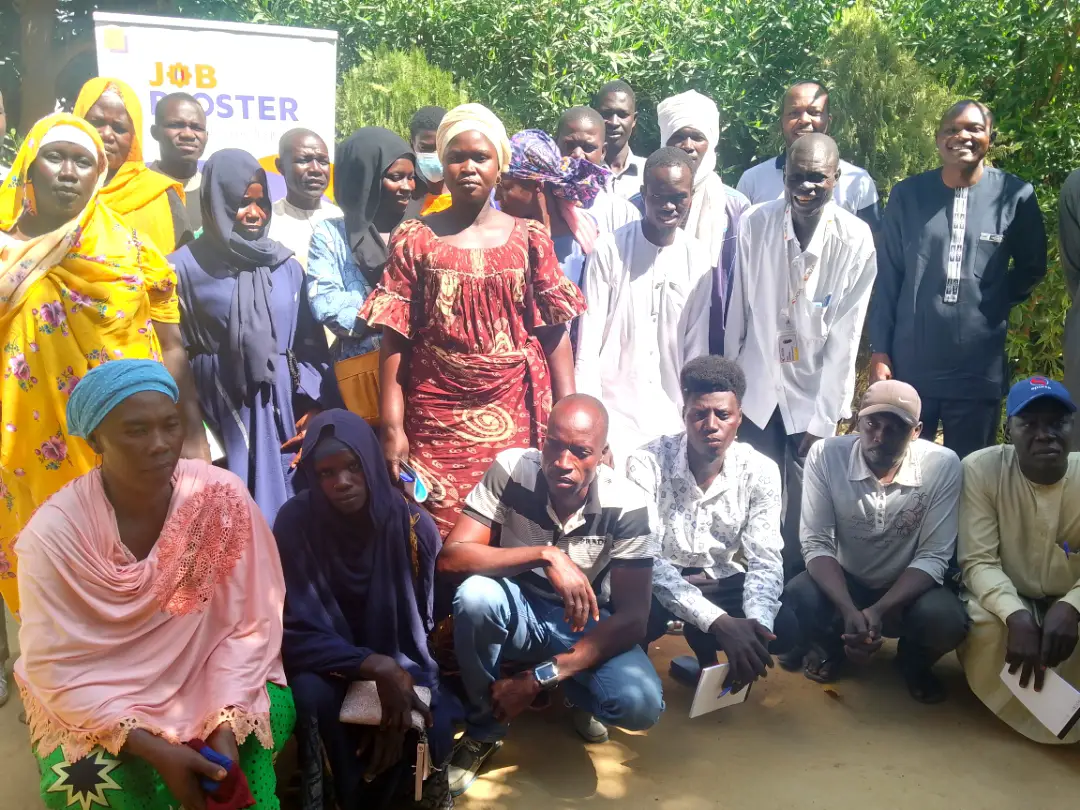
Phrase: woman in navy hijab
[359,564]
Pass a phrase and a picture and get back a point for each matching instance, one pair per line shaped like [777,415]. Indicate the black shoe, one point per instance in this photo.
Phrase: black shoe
[923,685]
[465,764]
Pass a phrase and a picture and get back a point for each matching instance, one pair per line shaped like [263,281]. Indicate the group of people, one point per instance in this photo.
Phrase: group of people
[504,412]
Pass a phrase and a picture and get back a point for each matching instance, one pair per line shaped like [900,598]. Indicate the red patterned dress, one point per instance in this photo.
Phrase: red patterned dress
[478,378]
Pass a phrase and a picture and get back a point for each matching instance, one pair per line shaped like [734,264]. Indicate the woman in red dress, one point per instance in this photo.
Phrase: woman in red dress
[474,312]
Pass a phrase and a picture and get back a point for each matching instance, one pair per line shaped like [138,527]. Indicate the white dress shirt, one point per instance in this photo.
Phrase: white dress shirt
[831,281]
[648,314]
[293,227]
[854,191]
[739,514]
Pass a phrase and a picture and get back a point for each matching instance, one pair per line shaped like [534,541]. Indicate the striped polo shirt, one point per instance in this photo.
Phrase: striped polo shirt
[610,529]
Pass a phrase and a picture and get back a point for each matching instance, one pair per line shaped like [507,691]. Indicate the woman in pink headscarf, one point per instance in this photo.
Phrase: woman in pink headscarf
[152,599]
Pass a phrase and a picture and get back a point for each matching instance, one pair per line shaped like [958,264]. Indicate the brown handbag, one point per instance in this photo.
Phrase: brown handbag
[358,381]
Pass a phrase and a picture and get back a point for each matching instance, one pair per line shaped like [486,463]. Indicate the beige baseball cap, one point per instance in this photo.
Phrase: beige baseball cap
[892,396]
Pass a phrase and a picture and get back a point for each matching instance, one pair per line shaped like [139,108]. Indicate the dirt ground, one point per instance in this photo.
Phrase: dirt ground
[791,746]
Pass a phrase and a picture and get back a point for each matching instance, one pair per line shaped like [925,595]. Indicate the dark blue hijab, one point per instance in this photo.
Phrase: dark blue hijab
[334,563]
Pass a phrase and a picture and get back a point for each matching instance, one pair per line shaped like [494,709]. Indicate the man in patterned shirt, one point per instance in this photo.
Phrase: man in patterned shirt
[548,543]
[716,498]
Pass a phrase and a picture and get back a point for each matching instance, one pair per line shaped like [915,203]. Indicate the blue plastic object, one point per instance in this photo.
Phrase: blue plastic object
[208,784]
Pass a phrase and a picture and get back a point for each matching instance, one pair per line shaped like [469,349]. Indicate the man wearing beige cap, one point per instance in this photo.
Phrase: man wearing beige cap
[879,522]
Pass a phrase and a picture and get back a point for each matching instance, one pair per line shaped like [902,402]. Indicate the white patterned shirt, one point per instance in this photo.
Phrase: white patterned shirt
[739,514]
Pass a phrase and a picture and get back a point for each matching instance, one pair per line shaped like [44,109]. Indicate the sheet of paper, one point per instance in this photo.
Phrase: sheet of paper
[1057,706]
[711,694]
[217,451]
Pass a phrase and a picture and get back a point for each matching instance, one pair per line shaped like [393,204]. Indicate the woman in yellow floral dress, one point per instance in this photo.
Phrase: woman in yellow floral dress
[77,289]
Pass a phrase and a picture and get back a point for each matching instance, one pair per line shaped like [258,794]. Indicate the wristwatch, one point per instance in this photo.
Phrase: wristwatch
[547,675]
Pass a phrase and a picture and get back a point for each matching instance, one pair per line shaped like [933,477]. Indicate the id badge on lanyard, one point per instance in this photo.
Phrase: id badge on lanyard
[787,339]
[787,343]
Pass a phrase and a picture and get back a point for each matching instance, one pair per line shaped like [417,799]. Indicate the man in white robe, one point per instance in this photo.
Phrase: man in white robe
[649,288]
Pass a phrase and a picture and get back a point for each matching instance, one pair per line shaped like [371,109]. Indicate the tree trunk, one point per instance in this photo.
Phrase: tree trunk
[37,19]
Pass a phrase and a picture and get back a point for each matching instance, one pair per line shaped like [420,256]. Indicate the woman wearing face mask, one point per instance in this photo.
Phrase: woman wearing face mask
[151,203]
[431,195]
[691,122]
[76,290]
[544,186]
[260,361]
[374,178]
[473,309]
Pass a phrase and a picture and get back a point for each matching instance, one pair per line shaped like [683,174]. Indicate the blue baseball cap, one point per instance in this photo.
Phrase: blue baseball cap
[1027,391]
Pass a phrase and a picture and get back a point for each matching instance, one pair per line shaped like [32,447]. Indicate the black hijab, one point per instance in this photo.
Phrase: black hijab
[360,162]
[252,346]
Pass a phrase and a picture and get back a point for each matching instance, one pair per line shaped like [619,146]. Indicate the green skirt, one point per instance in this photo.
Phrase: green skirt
[100,781]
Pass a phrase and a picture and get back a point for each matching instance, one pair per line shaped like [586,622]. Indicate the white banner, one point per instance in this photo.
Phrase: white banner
[256,82]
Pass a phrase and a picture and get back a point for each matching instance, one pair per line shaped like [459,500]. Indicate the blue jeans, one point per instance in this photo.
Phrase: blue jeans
[496,621]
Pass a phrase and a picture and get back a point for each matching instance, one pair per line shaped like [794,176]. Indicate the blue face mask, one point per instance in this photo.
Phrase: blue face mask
[429,166]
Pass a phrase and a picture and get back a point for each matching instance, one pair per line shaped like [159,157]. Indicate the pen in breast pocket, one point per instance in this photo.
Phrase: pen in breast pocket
[1068,551]
[823,303]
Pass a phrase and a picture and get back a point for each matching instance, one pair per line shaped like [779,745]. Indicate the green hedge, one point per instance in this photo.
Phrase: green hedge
[891,65]
[385,91]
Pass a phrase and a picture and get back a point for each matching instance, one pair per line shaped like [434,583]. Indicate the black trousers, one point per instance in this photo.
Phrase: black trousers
[774,442]
[967,424]
[727,594]
[318,702]
[929,627]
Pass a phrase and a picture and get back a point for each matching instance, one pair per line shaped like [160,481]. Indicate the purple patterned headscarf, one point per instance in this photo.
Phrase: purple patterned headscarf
[534,155]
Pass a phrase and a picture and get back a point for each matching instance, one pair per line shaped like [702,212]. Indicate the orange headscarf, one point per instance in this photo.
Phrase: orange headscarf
[136,192]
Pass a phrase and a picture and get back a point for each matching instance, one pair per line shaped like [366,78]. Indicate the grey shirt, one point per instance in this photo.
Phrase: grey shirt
[627,184]
[942,322]
[192,202]
[874,530]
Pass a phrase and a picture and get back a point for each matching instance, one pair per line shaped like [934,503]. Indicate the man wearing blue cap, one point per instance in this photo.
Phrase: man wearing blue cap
[1018,548]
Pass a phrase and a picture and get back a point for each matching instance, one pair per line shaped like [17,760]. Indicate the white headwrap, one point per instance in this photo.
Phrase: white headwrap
[692,109]
[708,219]
[473,118]
[70,134]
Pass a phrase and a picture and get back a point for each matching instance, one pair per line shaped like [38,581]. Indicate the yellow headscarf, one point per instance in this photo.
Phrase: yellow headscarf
[90,246]
[23,263]
[135,186]
[71,299]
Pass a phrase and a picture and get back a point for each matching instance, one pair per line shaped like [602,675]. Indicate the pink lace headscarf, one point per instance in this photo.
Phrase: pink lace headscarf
[175,644]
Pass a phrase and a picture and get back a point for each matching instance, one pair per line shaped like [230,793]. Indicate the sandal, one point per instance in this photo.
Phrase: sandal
[793,660]
[821,667]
